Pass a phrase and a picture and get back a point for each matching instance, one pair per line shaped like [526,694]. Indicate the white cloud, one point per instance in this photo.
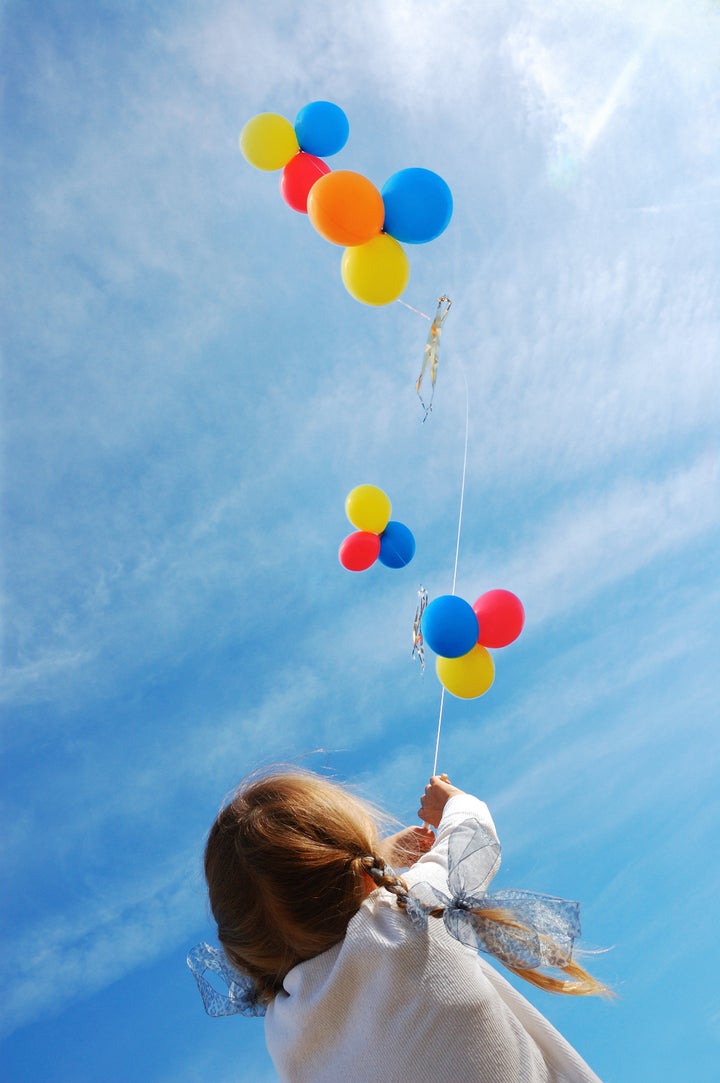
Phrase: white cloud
[594,542]
[68,955]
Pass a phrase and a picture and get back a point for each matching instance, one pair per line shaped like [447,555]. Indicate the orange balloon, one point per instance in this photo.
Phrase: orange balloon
[346,208]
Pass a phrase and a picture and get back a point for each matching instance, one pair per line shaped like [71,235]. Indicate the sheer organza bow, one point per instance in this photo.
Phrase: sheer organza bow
[241,997]
[537,930]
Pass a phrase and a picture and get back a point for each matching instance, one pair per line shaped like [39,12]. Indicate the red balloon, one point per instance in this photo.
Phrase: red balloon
[359,550]
[500,616]
[298,177]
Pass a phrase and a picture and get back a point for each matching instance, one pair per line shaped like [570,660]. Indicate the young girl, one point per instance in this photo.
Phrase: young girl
[362,974]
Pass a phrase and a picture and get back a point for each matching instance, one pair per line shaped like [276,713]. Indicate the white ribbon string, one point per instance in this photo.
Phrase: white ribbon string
[457,548]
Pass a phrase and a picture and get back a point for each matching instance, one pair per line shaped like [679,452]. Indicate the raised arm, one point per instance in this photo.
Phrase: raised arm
[405,847]
[445,807]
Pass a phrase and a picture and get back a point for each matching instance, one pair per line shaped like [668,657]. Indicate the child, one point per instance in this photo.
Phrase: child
[365,975]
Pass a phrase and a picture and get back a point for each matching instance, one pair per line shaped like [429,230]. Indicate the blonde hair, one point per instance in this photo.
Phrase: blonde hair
[286,863]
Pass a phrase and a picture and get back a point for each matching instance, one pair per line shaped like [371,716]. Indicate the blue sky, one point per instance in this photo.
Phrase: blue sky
[189,394]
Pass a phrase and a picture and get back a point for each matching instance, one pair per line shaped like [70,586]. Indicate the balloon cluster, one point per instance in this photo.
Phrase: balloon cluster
[460,633]
[377,537]
[413,207]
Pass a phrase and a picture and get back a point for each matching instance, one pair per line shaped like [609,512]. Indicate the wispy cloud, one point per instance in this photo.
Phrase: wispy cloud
[76,953]
[589,544]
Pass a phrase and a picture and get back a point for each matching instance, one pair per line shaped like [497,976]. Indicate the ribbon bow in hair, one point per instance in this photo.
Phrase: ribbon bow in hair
[241,997]
[546,927]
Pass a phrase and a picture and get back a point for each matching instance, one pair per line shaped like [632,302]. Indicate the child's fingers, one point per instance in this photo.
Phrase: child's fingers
[436,795]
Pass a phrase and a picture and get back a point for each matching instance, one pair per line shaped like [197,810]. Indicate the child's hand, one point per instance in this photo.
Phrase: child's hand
[437,793]
[406,846]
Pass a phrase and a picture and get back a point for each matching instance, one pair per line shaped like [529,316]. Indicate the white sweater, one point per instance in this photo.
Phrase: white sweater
[404,1005]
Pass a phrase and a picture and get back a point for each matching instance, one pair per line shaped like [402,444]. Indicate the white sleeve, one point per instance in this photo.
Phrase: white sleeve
[433,866]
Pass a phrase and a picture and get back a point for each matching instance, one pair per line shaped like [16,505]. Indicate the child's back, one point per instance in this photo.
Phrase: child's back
[396,1003]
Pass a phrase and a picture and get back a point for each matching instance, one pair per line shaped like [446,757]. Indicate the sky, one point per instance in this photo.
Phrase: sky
[189,394]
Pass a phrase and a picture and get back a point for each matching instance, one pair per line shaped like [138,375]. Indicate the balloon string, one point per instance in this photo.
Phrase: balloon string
[457,549]
[464,473]
[439,727]
[416,310]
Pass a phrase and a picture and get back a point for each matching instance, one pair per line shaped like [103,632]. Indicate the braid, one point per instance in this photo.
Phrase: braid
[581,984]
[382,875]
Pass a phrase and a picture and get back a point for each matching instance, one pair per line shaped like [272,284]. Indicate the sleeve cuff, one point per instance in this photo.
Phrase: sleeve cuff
[464,806]
[433,866]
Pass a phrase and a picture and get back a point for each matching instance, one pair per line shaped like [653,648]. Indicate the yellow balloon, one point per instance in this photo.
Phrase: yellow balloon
[268,141]
[468,676]
[376,272]
[368,508]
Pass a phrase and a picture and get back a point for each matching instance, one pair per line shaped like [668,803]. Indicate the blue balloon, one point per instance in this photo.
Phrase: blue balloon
[418,205]
[449,626]
[397,545]
[321,129]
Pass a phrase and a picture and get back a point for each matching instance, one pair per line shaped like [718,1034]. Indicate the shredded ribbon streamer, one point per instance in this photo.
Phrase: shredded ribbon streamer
[418,648]
[431,356]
